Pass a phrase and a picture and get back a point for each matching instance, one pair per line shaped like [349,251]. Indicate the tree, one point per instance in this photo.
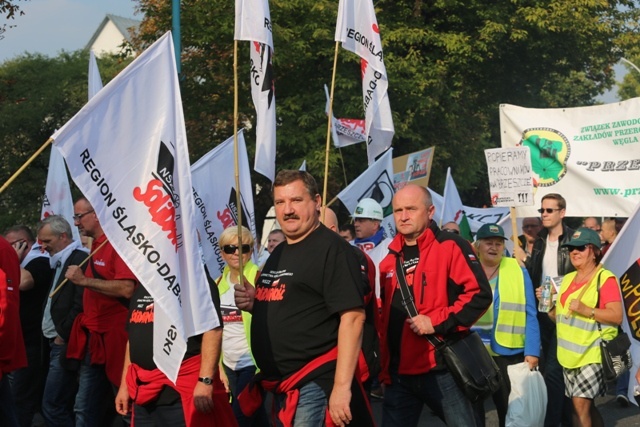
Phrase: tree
[450,64]
[10,9]
[38,95]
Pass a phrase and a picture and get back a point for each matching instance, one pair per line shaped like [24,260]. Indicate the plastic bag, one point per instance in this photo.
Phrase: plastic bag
[528,397]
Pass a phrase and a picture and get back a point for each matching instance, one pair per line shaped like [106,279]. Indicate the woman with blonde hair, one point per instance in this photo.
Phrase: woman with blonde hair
[238,366]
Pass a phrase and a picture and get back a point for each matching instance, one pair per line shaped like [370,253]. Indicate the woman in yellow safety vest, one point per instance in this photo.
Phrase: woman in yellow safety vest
[510,325]
[587,296]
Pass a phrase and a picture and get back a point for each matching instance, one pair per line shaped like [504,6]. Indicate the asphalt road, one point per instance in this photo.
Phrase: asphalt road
[613,414]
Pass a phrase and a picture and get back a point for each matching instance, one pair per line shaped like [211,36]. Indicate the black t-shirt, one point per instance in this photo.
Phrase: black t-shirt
[32,301]
[140,327]
[398,314]
[299,294]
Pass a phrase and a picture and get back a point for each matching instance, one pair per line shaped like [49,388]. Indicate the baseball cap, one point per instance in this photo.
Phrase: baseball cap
[584,236]
[368,208]
[490,230]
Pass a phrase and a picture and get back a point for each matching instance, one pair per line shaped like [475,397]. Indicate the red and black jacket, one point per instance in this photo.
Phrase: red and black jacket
[449,286]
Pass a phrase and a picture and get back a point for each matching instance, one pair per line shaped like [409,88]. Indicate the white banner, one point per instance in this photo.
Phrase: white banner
[345,132]
[57,192]
[127,152]
[216,202]
[589,155]
[509,172]
[95,82]
[357,29]
[376,183]
[253,23]
[623,259]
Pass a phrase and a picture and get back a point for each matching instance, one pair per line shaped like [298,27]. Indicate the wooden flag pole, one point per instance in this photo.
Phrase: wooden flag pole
[235,157]
[329,117]
[55,291]
[27,163]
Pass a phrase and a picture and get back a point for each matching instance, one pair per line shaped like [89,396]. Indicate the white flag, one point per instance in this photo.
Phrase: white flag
[95,82]
[127,152]
[253,23]
[477,217]
[345,132]
[303,166]
[623,259]
[357,29]
[57,193]
[376,183]
[216,202]
[452,208]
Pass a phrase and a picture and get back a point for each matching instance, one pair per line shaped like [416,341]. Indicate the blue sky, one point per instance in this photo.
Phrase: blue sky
[49,26]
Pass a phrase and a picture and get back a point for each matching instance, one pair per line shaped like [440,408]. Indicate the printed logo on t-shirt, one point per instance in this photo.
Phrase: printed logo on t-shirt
[100,262]
[230,314]
[366,246]
[275,292]
[142,316]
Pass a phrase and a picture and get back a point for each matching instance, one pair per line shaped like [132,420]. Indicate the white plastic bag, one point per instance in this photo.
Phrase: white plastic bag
[528,397]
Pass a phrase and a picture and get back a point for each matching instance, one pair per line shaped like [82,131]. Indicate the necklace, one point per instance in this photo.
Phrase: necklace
[493,273]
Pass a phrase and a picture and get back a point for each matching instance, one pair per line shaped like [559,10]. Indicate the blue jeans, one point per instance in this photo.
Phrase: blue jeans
[559,407]
[26,383]
[407,394]
[7,410]
[93,394]
[622,384]
[60,391]
[312,406]
[238,380]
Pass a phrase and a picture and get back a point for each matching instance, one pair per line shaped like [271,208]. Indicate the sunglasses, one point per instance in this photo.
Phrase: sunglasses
[529,226]
[578,248]
[231,249]
[548,210]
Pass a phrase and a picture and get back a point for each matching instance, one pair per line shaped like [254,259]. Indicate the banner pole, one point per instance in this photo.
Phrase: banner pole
[235,159]
[24,166]
[55,291]
[329,124]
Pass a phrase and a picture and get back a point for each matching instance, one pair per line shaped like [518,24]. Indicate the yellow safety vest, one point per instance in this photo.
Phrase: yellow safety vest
[578,336]
[512,312]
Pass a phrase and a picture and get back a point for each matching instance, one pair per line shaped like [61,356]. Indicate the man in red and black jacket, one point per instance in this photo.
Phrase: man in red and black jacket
[450,292]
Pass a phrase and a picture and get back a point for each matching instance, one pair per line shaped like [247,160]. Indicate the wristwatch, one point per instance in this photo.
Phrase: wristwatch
[205,380]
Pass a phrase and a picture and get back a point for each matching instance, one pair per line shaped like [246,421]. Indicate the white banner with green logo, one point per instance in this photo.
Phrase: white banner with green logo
[589,155]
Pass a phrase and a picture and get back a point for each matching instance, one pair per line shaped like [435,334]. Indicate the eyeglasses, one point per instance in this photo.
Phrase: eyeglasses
[578,248]
[231,249]
[78,217]
[548,210]
[451,230]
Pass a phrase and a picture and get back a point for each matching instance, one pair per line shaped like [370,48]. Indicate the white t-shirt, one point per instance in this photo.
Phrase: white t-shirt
[235,347]
[550,260]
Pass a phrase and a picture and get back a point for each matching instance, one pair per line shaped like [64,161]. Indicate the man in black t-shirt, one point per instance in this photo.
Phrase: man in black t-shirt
[308,312]
[197,391]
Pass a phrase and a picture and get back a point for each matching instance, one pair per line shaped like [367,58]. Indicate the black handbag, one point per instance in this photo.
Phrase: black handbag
[616,354]
[466,357]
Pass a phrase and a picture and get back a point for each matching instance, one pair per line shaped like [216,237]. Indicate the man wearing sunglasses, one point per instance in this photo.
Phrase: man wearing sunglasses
[549,258]
[308,314]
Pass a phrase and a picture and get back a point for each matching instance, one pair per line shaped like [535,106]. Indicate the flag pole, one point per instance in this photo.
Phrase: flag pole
[55,291]
[235,158]
[24,166]
[344,171]
[329,124]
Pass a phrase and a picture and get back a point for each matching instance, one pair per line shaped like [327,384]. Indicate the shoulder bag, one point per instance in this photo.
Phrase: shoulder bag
[467,359]
[616,356]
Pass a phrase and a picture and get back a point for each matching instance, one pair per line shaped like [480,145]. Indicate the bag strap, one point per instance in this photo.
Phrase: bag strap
[598,303]
[408,301]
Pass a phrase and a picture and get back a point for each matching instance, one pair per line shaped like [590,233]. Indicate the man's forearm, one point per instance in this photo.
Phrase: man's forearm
[110,288]
[349,345]
[210,352]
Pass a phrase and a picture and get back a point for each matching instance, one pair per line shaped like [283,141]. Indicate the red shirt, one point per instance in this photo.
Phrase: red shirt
[12,352]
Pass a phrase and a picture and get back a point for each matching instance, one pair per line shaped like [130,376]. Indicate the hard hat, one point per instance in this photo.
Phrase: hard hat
[368,208]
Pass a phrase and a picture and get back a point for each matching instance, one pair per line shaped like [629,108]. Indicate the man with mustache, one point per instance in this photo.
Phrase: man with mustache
[308,314]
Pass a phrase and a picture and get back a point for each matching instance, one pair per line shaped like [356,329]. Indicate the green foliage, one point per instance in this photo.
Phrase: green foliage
[38,95]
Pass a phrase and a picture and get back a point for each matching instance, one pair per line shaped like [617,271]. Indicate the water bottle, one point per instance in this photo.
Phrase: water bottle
[545,299]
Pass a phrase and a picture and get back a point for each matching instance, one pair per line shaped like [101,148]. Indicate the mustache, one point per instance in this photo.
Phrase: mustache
[290,216]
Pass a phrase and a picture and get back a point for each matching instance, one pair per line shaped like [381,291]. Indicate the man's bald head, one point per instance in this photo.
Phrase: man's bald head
[330,219]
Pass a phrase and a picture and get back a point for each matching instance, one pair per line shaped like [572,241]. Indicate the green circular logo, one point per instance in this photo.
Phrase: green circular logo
[550,151]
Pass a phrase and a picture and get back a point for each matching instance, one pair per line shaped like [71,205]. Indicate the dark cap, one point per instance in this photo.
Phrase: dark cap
[490,230]
[584,236]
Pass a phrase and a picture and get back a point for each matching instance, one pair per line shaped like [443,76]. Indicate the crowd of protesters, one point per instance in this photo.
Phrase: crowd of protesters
[314,330]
